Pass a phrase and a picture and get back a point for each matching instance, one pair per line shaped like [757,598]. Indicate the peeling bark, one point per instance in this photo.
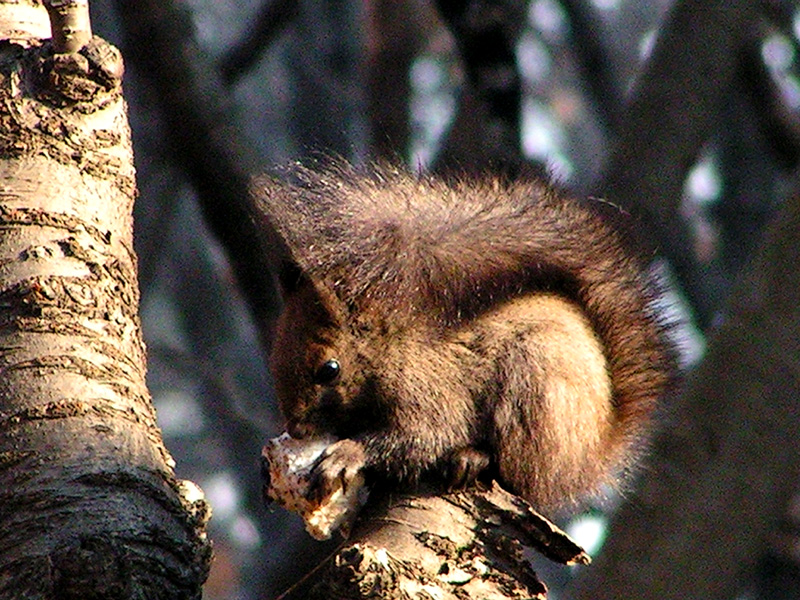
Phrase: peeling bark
[89,504]
[460,545]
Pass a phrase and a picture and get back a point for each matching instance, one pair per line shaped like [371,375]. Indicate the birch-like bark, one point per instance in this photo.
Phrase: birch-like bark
[89,504]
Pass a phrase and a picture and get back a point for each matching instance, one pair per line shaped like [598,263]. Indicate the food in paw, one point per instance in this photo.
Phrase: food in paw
[288,475]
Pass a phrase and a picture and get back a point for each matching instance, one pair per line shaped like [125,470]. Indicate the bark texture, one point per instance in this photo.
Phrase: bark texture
[466,545]
[89,504]
[70,24]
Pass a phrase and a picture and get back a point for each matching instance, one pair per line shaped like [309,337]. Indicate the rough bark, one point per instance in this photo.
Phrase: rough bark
[89,504]
[725,466]
[461,545]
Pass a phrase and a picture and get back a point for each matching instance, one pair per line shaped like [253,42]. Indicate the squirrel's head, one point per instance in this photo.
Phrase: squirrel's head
[357,273]
[341,284]
[323,364]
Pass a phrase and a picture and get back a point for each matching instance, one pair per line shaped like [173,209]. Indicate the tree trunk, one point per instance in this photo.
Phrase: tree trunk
[89,504]
[485,133]
[394,34]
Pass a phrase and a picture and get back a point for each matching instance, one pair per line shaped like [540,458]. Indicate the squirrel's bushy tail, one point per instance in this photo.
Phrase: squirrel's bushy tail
[447,251]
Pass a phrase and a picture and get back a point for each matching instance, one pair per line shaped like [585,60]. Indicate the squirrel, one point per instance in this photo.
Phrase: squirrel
[446,330]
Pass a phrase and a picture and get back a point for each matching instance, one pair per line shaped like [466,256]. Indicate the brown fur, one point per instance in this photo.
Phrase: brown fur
[477,323]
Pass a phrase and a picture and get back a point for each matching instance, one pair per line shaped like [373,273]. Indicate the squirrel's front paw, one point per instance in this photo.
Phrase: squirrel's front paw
[339,466]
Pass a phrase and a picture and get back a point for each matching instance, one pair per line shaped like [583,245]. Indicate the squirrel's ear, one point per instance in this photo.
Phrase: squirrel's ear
[316,298]
[278,213]
[288,218]
[274,209]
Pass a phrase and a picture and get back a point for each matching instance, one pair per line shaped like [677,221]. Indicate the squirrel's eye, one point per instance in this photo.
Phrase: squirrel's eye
[327,373]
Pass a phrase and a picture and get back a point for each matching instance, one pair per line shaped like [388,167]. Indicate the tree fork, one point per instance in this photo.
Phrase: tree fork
[89,504]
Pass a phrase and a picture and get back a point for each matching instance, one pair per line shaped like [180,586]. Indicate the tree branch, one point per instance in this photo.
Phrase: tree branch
[394,33]
[486,35]
[69,22]
[199,123]
[671,115]
[777,120]
[593,60]
[459,545]
[725,466]
[272,19]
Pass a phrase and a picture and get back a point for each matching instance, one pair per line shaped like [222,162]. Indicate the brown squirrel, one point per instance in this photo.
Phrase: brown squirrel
[453,329]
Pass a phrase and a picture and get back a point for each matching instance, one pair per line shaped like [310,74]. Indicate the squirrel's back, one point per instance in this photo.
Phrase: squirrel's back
[559,315]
